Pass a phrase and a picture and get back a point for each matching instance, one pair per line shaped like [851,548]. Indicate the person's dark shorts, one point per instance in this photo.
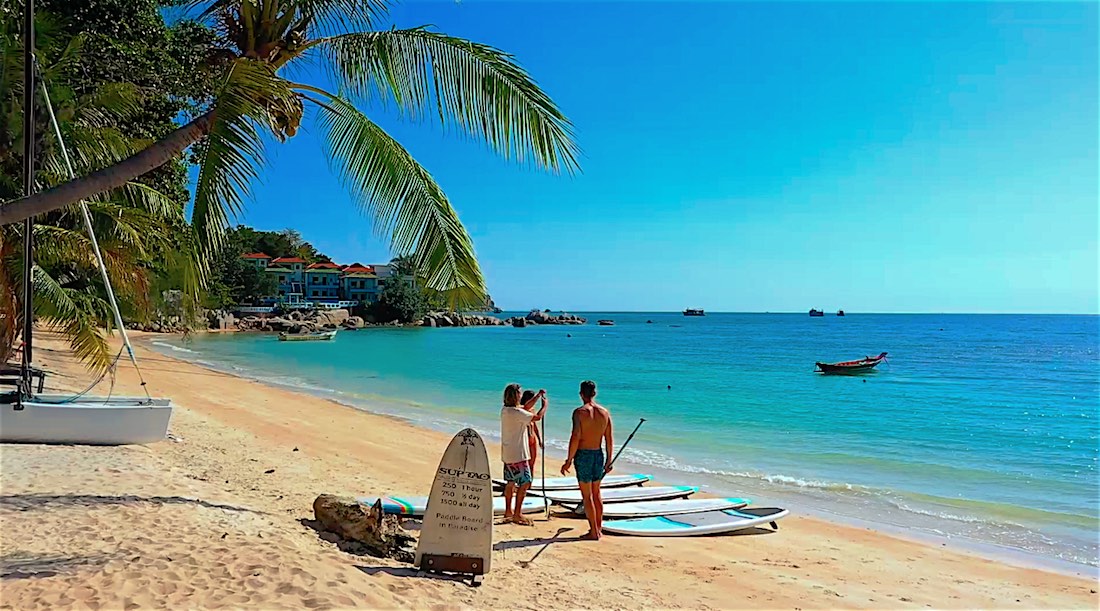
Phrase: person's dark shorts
[589,465]
[518,473]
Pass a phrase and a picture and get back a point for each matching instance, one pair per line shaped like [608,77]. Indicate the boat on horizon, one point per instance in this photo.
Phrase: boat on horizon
[862,365]
[694,312]
[840,312]
[307,337]
[816,313]
[605,323]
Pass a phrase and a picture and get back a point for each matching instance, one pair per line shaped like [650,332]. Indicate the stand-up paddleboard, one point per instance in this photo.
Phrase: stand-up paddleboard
[643,509]
[570,483]
[457,534]
[691,524]
[415,506]
[625,495]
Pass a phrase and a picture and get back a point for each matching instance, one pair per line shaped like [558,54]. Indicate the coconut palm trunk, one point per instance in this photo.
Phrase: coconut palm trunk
[111,177]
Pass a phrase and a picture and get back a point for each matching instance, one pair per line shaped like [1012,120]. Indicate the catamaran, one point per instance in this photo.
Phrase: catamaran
[36,417]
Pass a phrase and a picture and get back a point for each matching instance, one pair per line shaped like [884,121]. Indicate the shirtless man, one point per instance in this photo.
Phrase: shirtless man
[591,429]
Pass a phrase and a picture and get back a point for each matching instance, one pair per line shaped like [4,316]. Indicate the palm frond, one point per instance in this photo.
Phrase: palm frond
[79,316]
[402,198]
[328,16]
[476,87]
[249,96]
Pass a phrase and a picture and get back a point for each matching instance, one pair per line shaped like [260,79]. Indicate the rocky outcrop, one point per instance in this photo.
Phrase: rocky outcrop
[454,319]
[221,320]
[329,317]
[353,322]
[370,527]
[535,317]
[161,324]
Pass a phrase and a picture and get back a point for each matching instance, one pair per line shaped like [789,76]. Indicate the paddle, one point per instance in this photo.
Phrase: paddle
[545,501]
[622,447]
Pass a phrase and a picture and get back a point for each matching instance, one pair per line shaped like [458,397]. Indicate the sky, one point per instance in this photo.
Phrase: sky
[895,157]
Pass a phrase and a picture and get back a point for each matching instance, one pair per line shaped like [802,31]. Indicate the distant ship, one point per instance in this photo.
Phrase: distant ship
[840,312]
[694,312]
[814,312]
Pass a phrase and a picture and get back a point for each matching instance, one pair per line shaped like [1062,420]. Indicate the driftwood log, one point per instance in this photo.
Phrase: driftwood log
[364,529]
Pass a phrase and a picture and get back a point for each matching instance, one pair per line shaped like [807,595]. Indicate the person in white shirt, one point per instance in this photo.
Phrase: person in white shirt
[514,451]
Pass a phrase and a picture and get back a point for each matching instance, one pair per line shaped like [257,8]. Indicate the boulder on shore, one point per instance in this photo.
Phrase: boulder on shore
[354,322]
[329,317]
[368,528]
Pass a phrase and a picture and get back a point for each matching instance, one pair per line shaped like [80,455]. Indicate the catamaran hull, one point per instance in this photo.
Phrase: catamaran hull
[119,421]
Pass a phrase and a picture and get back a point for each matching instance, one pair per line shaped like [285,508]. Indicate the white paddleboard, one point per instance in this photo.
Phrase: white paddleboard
[570,483]
[624,495]
[415,506]
[692,524]
[457,534]
[642,509]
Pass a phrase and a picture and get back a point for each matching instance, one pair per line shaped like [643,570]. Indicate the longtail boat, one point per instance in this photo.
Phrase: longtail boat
[863,365]
[307,337]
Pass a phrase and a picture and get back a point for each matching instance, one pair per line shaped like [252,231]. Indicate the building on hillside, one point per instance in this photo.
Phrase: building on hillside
[291,279]
[323,285]
[259,259]
[359,283]
[322,282]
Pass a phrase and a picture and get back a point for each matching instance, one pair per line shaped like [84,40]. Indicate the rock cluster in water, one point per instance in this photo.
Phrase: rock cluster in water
[454,319]
[544,317]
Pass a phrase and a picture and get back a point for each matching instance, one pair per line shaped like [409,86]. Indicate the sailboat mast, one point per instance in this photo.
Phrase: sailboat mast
[28,189]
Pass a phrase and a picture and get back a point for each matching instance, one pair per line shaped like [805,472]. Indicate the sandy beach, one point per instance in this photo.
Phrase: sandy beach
[213,518]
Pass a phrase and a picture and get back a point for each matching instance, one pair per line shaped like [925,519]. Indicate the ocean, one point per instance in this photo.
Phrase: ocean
[979,428]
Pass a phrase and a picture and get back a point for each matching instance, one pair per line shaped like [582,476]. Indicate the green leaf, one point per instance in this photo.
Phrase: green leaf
[473,86]
[250,95]
[402,198]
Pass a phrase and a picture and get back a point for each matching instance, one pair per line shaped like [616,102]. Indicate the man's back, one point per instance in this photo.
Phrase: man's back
[591,420]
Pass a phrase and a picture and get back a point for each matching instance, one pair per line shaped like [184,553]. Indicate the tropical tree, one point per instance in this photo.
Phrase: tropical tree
[422,73]
[134,222]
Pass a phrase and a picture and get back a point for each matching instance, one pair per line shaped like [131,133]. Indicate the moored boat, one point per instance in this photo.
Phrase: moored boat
[862,365]
[306,337]
[694,312]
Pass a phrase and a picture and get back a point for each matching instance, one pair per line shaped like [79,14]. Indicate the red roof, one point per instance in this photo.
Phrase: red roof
[322,265]
[289,260]
[255,255]
[356,268]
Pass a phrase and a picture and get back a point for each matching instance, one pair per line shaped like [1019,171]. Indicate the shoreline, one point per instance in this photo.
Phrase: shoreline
[243,542]
[711,486]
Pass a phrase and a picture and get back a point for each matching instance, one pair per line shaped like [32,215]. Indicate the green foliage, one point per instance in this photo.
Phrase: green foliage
[400,300]
[137,225]
[285,243]
[235,281]
[424,75]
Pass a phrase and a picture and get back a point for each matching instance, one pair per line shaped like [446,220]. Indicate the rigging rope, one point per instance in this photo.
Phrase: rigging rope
[95,242]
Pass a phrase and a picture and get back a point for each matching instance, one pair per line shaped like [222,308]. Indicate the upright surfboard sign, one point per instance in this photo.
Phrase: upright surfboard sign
[457,534]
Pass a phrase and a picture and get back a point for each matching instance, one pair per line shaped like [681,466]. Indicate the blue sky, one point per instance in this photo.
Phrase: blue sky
[901,157]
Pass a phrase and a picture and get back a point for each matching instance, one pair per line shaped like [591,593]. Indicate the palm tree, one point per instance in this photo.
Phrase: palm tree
[422,73]
[135,223]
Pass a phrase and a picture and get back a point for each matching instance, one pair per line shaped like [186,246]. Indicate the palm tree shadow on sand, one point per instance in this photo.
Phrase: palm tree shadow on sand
[25,566]
[26,502]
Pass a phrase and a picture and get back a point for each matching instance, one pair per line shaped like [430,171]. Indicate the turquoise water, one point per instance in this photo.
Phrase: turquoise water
[982,427]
